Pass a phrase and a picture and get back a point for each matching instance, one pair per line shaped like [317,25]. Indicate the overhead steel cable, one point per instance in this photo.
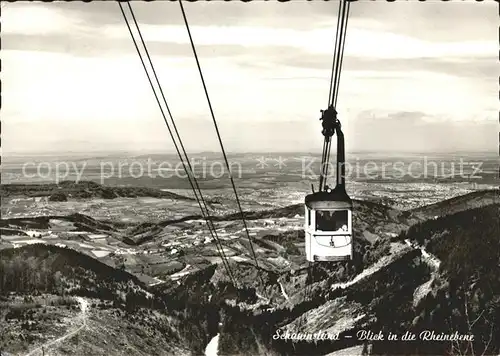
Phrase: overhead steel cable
[334,57]
[189,172]
[219,136]
[209,221]
[323,159]
[339,50]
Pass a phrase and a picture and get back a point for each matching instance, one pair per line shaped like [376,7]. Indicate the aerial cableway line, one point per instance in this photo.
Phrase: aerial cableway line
[219,138]
[183,157]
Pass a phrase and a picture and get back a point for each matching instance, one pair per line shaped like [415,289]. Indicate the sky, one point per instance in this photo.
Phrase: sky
[417,76]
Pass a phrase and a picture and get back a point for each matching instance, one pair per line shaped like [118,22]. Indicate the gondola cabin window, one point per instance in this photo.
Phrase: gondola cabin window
[332,220]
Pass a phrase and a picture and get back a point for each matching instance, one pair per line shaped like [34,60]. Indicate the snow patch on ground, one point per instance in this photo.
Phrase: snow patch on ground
[100,253]
[213,346]
[422,290]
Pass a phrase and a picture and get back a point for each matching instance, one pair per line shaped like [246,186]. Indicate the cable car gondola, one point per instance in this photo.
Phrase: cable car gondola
[328,212]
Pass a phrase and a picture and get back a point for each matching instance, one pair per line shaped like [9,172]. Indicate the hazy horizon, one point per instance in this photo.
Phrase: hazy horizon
[173,153]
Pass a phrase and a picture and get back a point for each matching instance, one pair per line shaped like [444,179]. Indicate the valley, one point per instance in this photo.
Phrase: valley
[175,277]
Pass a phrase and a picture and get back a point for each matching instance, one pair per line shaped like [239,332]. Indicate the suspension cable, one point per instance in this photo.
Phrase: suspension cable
[338,55]
[341,55]
[322,177]
[334,57]
[219,136]
[327,157]
[210,223]
[189,171]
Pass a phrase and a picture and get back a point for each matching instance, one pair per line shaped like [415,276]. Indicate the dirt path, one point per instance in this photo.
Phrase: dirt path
[82,316]
[381,263]
[432,260]
[283,291]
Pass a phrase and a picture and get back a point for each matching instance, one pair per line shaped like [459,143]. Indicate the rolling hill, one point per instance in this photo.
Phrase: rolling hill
[180,317]
[83,190]
[79,222]
[371,219]
[39,283]
[464,202]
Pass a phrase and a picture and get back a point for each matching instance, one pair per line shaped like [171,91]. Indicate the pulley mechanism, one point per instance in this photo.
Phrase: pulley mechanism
[330,122]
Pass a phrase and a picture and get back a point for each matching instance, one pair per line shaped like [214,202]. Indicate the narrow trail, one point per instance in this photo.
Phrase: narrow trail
[283,291]
[384,261]
[82,316]
[432,260]
[434,263]
[429,258]
[266,300]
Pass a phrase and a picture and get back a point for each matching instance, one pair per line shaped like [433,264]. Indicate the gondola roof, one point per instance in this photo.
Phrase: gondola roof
[335,199]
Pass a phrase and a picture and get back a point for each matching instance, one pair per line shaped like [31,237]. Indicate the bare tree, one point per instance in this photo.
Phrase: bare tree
[460,348]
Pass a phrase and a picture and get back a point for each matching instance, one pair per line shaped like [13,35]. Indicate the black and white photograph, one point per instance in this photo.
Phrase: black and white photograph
[219,178]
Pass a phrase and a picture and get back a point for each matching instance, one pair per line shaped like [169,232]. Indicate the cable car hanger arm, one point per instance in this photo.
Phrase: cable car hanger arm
[332,125]
[330,122]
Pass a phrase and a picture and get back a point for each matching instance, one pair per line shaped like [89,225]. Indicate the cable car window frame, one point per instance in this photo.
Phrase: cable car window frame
[337,232]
